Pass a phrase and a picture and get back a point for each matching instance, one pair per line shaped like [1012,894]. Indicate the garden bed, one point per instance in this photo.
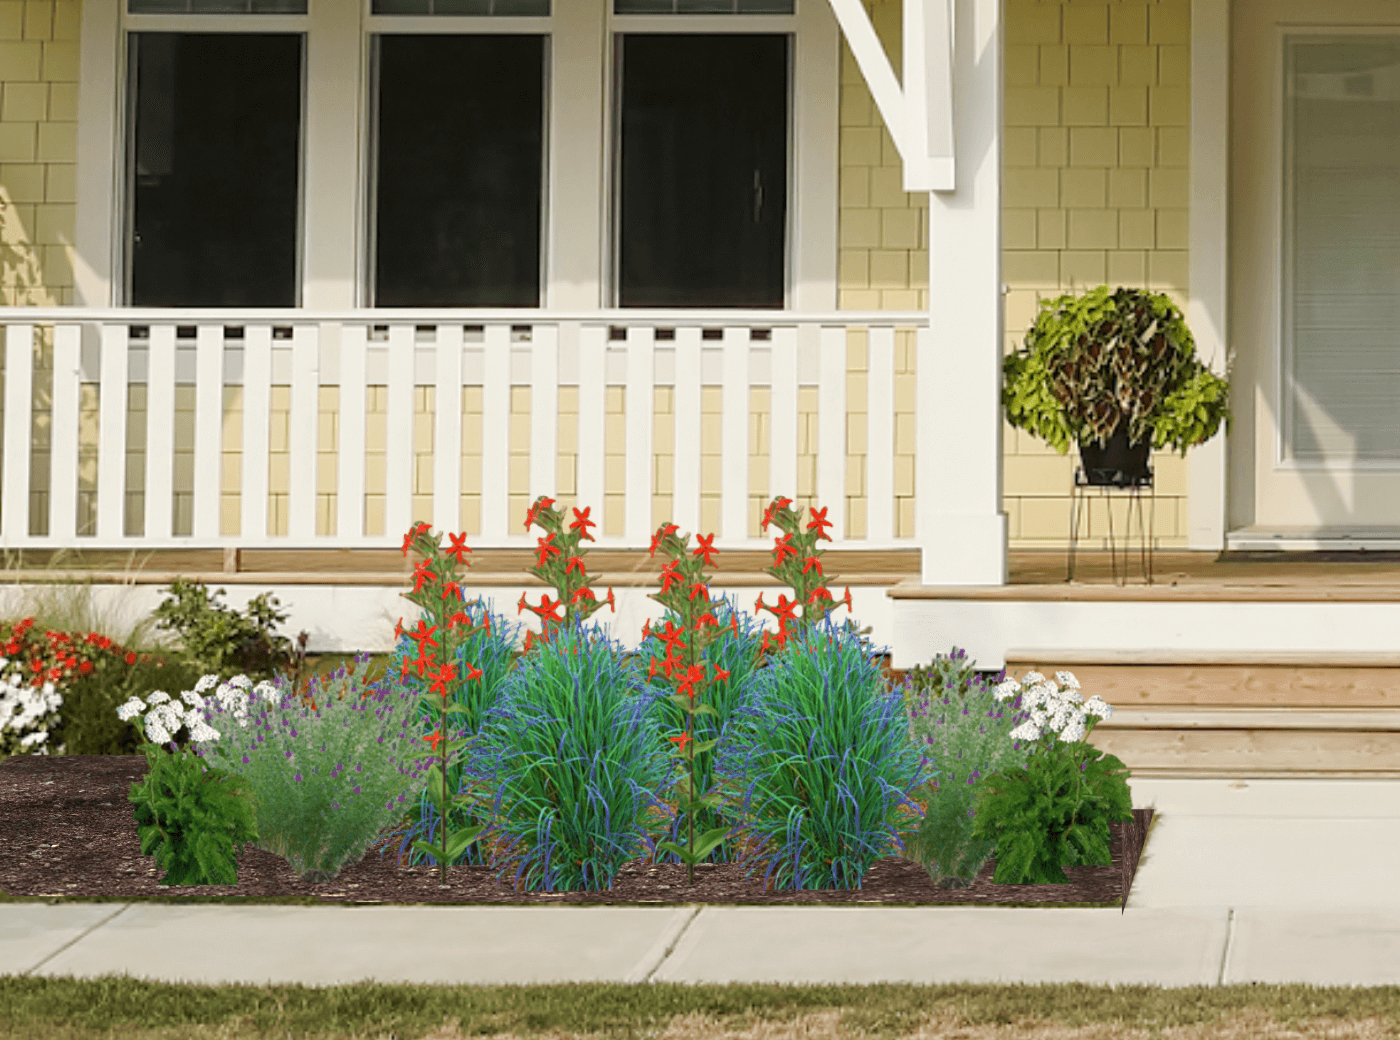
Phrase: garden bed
[72,835]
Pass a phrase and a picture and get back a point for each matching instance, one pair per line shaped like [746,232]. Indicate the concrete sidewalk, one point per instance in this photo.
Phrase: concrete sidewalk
[1241,881]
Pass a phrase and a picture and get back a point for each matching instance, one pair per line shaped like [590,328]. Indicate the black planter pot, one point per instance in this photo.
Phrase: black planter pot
[1116,463]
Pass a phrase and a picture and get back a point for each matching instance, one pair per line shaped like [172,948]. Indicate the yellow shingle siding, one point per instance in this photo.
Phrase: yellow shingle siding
[38,149]
[1095,189]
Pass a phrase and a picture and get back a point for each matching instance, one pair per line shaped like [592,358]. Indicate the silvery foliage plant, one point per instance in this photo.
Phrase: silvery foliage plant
[27,713]
[971,730]
[327,781]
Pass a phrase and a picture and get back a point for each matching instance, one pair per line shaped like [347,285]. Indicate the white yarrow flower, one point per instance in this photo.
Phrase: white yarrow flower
[158,697]
[1096,706]
[207,683]
[1074,731]
[1067,680]
[131,708]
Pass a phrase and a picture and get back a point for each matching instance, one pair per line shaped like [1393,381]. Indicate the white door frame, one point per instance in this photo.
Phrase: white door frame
[1267,490]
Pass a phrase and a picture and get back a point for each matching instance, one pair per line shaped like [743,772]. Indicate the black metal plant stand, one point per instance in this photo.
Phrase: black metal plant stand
[1079,496]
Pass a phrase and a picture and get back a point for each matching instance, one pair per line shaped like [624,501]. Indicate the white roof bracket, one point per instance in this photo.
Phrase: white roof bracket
[920,114]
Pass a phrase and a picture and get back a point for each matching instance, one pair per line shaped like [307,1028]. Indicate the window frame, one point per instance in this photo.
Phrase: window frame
[577,255]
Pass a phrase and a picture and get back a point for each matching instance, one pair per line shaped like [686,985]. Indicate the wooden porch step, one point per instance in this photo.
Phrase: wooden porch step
[1239,714]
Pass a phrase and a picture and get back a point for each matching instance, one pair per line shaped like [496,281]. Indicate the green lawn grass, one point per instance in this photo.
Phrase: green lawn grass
[128,1008]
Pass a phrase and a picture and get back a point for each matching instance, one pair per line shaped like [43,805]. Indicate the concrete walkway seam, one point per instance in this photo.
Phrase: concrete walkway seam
[1229,943]
[78,938]
[652,960]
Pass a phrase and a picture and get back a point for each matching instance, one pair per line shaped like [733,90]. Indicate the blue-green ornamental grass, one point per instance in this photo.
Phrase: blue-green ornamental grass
[819,759]
[574,762]
[737,654]
[494,654]
[960,726]
[327,781]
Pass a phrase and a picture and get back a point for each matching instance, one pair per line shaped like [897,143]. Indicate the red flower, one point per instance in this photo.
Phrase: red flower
[682,740]
[130,658]
[458,546]
[444,676]
[581,520]
[422,573]
[85,667]
[424,635]
[434,740]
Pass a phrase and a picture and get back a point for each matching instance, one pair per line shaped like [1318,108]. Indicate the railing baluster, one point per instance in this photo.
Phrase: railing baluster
[111,436]
[831,430]
[350,475]
[63,446]
[257,401]
[782,426]
[592,395]
[879,437]
[495,435]
[734,434]
[398,441]
[641,378]
[302,443]
[160,433]
[447,432]
[208,431]
[19,385]
[685,504]
[544,411]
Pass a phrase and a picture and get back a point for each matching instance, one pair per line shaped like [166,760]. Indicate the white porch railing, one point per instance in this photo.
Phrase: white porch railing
[403,349]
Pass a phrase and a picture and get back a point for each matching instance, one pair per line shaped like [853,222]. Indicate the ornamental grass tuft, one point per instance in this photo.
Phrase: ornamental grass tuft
[818,762]
[574,762]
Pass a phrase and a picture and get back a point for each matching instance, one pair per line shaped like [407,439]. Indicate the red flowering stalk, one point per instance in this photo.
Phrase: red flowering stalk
[560,562]
[685,590]
[798,563]
[443,627]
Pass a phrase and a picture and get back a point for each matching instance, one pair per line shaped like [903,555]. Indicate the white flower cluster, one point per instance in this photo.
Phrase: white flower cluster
[1052,709]
[23,706]
[166,716]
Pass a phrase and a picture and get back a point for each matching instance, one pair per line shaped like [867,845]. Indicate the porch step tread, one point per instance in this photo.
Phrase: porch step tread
[1174,656]
[1387,720]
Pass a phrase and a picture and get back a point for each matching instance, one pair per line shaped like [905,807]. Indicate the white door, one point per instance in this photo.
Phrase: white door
[1315,263]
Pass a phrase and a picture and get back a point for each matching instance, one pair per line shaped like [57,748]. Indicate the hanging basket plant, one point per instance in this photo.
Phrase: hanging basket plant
[1095,362]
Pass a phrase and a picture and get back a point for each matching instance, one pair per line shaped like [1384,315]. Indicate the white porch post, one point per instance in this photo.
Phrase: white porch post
[959,520]
[1209,258]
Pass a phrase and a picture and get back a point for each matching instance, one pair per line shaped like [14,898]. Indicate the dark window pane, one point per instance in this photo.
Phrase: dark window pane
[460,154]
[214,169]
[703,191]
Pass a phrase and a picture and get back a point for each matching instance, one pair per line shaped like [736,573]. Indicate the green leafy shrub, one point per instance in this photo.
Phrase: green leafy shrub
[221,641]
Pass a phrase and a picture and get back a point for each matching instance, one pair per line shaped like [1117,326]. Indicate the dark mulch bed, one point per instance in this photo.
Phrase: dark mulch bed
[70,833]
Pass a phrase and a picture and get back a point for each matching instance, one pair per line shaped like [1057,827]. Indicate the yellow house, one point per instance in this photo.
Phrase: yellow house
[667,260]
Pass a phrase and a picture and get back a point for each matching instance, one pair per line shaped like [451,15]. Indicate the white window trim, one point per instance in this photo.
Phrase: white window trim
[336,164]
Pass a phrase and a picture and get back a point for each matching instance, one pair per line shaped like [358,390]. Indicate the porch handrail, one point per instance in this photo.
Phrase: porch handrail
[712,317]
